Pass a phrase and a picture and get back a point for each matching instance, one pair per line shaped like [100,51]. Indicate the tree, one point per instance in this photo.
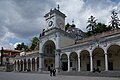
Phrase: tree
[92,25]
[101,27]
[67,26]
[22,46]
[34,44]
[114,23]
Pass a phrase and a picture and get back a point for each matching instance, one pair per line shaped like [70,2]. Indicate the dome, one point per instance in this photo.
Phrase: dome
[79,34]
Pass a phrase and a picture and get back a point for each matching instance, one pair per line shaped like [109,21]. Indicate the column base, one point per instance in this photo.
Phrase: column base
[40,69]
[58,69]
[106,70]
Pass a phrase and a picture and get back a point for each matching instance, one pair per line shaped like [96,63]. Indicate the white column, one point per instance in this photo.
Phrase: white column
[57,61]
[41,58]
[31,64]
[68,64]
[35,64]
[78,63]
[57,53]
[106,62]
[41,62]
[26,65]
[91,63]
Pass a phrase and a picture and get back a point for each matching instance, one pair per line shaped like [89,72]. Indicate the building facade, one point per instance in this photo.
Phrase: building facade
[59,49]
[8,56]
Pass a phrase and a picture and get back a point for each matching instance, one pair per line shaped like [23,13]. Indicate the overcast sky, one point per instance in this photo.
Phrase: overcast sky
[20,20]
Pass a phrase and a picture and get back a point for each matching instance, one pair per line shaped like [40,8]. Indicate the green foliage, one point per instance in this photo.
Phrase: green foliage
[100,27]
[26,48]
[67,26]
[91,25]
[94,27]
[34,43]
[23,47]
[115,22]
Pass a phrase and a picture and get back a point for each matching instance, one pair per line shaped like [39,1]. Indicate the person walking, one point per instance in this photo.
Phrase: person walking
[51,72]
[54,72]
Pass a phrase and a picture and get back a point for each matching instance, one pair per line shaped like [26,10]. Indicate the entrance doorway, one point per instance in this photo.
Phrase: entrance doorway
[110,65]
[64,62]
[64,66]
[88,67]
[49,55]
[48,68]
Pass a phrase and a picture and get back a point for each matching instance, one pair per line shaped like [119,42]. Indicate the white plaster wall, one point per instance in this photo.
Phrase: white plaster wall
[65,41]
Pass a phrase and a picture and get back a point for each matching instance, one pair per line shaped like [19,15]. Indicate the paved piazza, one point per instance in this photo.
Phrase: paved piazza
[36,76]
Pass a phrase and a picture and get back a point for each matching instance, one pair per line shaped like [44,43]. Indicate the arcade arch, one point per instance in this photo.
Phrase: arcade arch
[85,60]
[33,64]
[37,61]
[21,65]
[25,65]
[49,55]
[114,57]
[98,59]
[29,64]
[64,62]
[73,61]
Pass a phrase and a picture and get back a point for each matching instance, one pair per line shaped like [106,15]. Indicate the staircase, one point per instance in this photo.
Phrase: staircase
[2,68]
[96,74]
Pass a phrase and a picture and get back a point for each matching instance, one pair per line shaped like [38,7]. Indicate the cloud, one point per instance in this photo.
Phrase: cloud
[81,10]
[4,41]
[15,45]
[23,19]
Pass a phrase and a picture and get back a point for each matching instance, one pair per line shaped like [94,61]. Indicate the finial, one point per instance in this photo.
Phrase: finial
[50,9]
[58,7]
[73,25]
[73,21]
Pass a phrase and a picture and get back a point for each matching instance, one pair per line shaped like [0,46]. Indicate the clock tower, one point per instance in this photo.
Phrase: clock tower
[55,18]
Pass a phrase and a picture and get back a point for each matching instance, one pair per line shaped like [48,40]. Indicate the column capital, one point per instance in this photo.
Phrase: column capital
[106,53]
[57,52]
[41,55]
[90,55]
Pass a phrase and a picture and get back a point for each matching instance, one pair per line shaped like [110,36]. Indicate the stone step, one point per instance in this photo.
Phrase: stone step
[86,73]
[2,68]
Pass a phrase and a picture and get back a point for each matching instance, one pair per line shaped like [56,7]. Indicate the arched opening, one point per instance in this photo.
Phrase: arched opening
[29,65]
[18,65]
[114,57]
[21,62]
[49,55]
[98,59]
[64,62]
[25,65]
[73,61]
[33,64]
[85,60]
[37,63]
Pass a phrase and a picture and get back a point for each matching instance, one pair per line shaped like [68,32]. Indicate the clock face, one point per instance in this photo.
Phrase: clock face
[60,23]
[50,23]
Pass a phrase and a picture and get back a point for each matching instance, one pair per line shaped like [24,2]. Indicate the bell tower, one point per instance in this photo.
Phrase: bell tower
[55,18]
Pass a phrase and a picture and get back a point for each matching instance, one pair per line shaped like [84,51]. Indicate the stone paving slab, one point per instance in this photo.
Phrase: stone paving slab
[32,76]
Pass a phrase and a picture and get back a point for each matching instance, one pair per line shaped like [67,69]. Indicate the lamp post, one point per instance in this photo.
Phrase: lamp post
[1,56]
